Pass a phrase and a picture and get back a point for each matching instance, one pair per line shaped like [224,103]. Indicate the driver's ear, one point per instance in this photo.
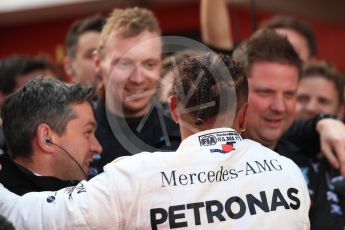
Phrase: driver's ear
[173,108]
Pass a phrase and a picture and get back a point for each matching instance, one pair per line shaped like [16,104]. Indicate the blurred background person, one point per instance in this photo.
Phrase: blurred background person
[299,33]
[17,70]
[320,90]
[216,29]
[81,41]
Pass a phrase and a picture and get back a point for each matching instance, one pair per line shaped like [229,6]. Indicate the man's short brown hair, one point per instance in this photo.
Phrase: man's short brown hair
[129,22]
[266,45]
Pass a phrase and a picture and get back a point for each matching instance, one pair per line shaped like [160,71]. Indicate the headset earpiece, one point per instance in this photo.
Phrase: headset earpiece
[49,141]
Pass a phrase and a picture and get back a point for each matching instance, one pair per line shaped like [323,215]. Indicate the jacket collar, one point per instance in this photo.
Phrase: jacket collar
[220,140]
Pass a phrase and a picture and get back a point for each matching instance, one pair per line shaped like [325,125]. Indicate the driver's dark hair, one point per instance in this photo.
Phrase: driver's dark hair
[216,85]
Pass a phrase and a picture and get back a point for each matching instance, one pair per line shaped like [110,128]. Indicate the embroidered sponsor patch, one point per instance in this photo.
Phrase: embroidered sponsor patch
[223,142]
[214,138]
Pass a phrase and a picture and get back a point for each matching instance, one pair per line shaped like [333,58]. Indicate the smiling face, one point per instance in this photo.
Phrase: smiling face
[80,141]
[272,99]
[130,68]
[316,95]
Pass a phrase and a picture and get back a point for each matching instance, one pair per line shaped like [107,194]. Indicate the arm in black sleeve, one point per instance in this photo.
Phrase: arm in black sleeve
[305,135]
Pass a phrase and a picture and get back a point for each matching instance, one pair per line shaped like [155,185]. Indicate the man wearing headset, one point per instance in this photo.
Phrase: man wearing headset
[49,129]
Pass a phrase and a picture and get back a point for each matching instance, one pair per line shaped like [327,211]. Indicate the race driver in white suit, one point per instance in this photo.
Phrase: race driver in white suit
[215,180]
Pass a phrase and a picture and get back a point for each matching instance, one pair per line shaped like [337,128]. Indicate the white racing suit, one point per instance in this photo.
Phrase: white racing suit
[215,180]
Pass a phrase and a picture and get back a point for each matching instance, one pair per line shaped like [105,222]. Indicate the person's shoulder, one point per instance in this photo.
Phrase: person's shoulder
[140,159]
[263,152]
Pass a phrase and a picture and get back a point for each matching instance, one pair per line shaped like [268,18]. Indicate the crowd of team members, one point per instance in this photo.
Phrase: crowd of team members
[59,136]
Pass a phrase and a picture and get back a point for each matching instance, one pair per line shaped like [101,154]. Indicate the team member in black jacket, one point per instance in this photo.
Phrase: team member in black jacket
[273,70]
[129,60]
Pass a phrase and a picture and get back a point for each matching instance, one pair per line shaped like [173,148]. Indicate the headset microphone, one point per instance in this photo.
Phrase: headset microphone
[49,141]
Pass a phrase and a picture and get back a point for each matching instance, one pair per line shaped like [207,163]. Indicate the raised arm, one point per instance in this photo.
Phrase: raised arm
[321,134]
[332,140]
[215,24]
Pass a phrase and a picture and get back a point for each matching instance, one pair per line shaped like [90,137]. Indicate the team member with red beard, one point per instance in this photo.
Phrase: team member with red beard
[129,60]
